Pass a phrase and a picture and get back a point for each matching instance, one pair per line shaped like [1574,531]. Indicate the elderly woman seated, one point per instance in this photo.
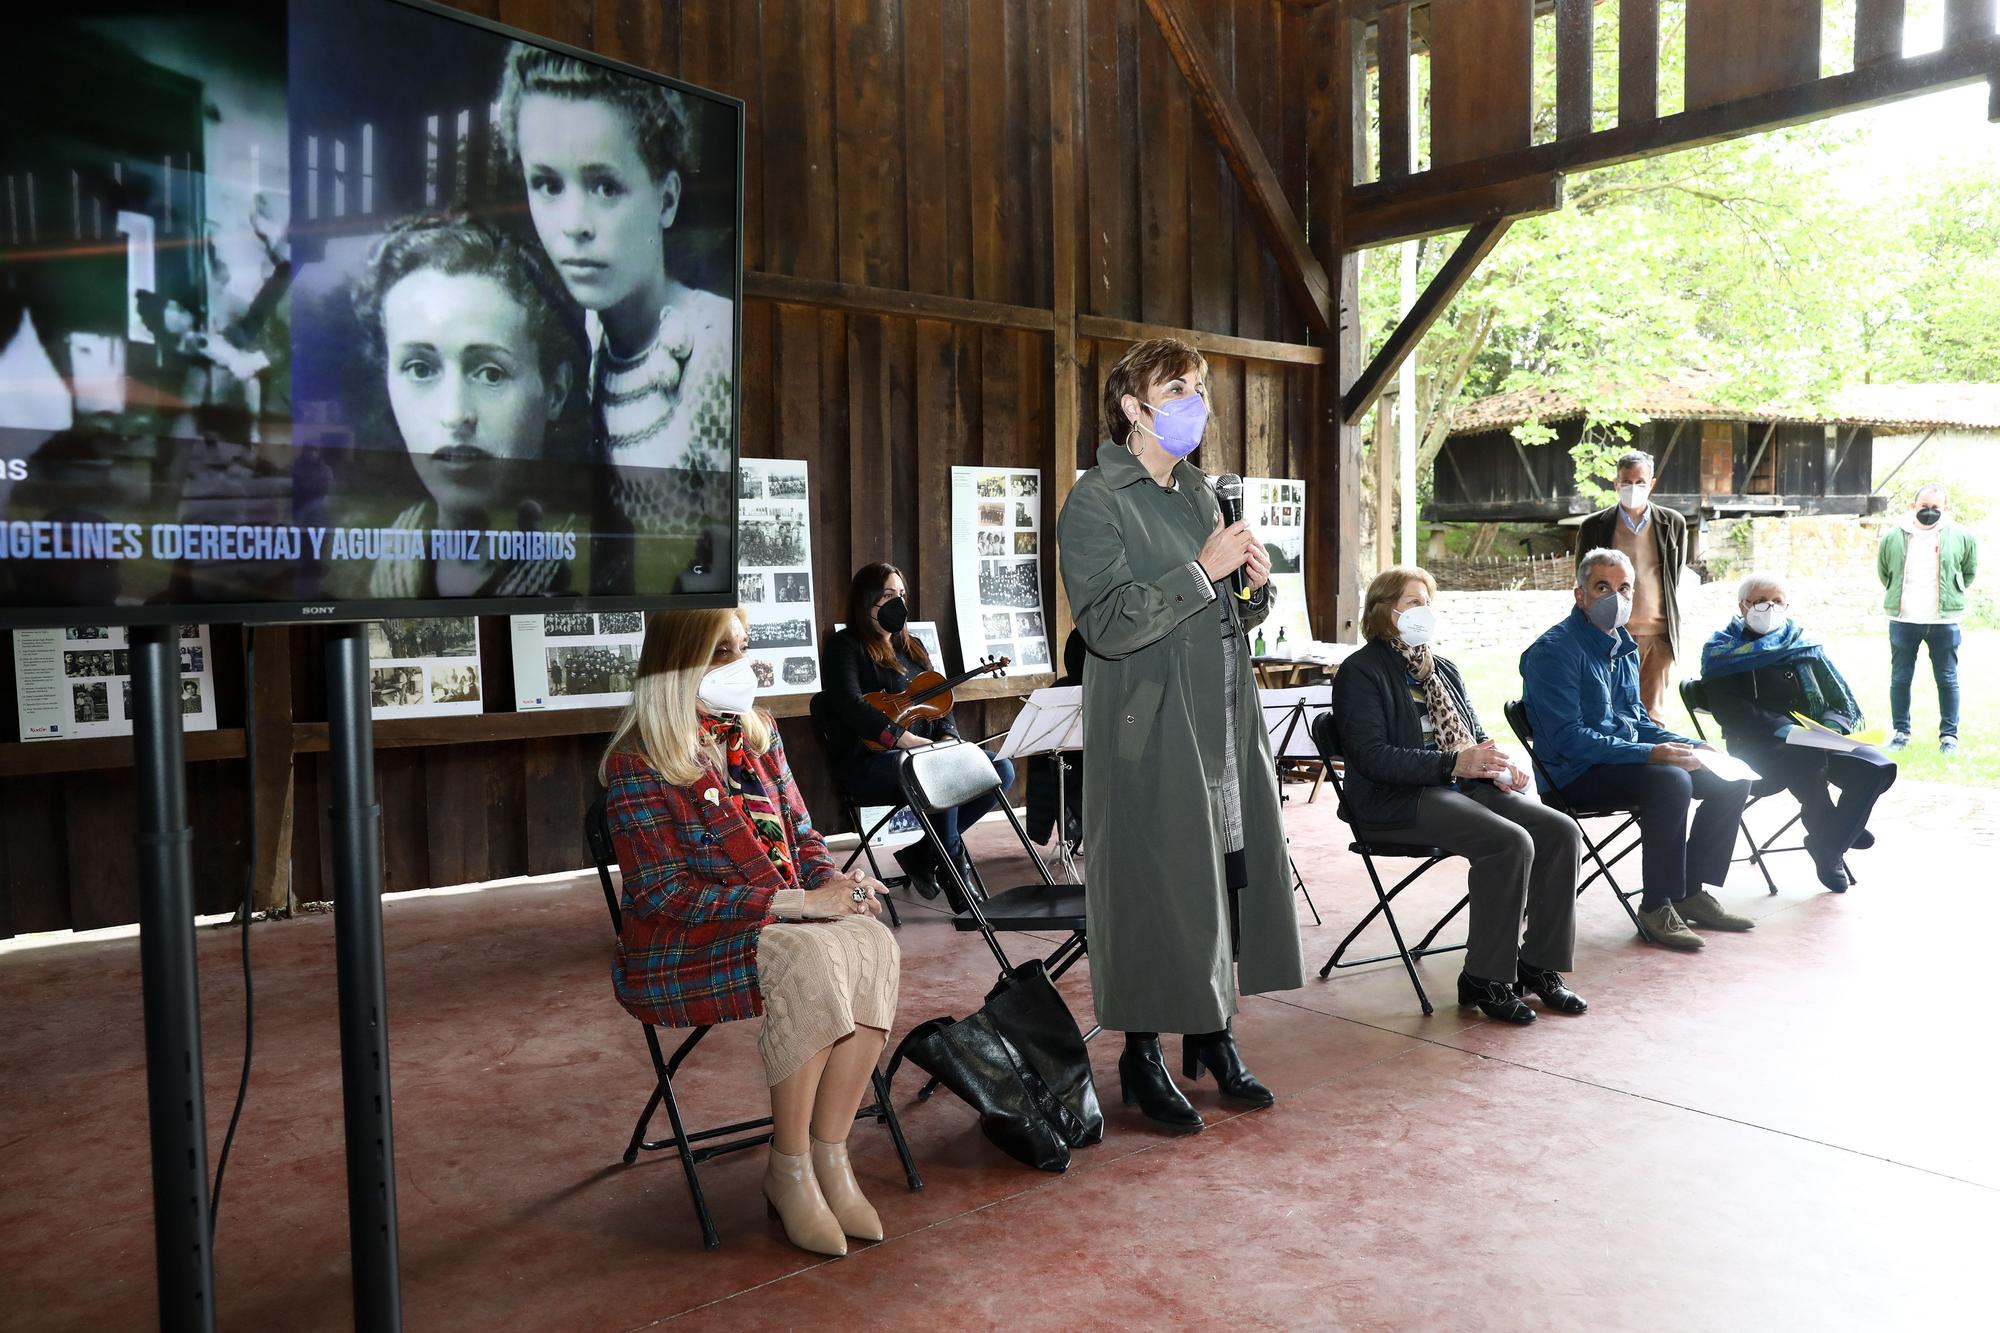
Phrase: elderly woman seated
[1760,671]
[732,907]
[1420,769]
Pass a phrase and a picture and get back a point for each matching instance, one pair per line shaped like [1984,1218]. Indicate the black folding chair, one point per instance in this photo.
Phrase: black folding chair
[725,1138]
[1695,697]
[851,808]
[942,777]
[1326,737]
[1594,848]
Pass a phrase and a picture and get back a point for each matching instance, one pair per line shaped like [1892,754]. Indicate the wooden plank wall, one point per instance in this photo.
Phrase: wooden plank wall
[896,145]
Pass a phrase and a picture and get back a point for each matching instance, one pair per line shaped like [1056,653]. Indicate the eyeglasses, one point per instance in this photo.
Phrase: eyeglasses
[1768,605]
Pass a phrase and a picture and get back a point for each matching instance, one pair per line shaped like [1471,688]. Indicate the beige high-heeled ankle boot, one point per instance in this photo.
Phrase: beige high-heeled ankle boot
[843,1192]
[792,1192]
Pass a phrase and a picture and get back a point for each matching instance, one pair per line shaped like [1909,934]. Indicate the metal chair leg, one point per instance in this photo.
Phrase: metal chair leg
[888,1117]
[639,1130]
[1382,907]
[709,1236]
[1299,886]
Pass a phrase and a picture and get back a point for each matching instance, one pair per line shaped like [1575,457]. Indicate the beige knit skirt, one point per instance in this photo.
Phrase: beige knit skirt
[822,979]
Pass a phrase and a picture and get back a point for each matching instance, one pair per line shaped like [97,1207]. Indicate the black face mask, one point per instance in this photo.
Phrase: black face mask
[892,615]
[1929,515]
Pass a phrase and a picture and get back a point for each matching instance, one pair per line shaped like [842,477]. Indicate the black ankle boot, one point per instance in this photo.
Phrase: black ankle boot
[1829,863]
[1217,1050]
[1143,1078]
[1496,999]
[919,867]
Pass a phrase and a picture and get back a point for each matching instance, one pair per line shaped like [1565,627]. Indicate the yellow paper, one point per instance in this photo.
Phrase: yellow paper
[1873,736]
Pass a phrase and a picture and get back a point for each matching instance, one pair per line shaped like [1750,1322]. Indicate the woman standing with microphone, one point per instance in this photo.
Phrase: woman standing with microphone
[1190,895]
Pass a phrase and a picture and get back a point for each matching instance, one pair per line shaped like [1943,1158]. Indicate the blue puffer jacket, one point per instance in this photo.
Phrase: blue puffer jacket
[1581,689]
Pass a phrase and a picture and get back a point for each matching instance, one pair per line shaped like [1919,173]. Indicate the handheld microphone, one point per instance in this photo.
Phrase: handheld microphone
[1229,495]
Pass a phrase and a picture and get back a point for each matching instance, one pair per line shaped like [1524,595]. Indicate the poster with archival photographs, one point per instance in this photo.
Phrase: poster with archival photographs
[926,633]
[1276,508]
[996,565]
[76,682]
[774,578]
[575,659]
[424,667]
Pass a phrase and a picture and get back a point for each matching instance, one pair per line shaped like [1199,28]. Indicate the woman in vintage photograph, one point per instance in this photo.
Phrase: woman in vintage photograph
[732,908]
[603,158]
[482,363]
[1190,887]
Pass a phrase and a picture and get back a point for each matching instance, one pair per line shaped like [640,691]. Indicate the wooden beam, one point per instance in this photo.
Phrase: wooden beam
[1673,442]
[1638,62]
[20,759]
[785,289]
[1967,20]
[1575,48]
[1482,78]
[1872,85]
[1534,482]
[1878,31]
[1067,225]
[1739,48]
[1478,243]
[1391,218]
[270,733]
[1385,481]
[1104,329]
[1393,37]
[1750,473]
[1234,135]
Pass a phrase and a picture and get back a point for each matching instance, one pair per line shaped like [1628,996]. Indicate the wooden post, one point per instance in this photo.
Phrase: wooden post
[1385,480]
[1065,119]
[271,735]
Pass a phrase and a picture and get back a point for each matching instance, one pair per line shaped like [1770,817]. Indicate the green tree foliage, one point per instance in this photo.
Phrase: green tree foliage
[1786,266]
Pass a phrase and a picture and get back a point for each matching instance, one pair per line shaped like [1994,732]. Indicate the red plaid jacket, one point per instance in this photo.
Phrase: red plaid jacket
[698,889]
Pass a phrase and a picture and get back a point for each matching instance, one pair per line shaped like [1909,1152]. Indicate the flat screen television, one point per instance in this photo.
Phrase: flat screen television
[347,309]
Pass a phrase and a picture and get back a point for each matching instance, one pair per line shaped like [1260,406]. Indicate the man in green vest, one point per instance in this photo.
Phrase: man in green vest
[1925,564]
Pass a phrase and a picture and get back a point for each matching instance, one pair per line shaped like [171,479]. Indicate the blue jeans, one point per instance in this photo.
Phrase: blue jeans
[872,781]
[1943,641]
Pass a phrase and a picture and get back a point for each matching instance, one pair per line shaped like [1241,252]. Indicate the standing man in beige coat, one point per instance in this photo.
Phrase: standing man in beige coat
[1655,541]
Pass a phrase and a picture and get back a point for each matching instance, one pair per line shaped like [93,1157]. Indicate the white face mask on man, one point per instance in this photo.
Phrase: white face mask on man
[1632,495]
[1417,626]
[729,689]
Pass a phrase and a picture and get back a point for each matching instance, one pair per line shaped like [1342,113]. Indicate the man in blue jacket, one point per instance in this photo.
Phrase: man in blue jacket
[1596,743]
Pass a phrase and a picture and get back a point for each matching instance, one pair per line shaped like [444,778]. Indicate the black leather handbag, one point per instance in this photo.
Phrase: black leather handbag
[1021,1063]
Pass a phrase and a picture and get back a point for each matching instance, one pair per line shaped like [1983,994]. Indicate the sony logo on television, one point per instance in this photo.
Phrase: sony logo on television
[316,610]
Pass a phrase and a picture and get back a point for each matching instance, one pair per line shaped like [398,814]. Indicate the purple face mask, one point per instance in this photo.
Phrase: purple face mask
[1178,425]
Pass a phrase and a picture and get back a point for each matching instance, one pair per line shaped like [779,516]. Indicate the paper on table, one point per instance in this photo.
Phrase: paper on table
[1727,767]
[1873,736]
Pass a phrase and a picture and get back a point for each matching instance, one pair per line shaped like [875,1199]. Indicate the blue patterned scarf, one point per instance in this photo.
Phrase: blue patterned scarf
[1733,650]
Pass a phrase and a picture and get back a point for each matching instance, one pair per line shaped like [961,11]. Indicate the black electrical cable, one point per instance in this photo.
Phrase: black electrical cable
[249,900]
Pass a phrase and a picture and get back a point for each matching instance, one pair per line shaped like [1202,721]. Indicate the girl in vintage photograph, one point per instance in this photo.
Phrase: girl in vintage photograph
[481,362]
[602,158]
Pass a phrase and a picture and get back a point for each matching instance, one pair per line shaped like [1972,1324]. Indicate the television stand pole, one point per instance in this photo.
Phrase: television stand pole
[354,820]
[167,974]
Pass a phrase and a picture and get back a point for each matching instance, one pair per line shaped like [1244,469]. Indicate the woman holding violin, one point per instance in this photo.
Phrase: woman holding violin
[874,655]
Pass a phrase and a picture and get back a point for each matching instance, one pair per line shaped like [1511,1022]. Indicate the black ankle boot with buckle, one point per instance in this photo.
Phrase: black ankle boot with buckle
[1496,999]
[1217,1052]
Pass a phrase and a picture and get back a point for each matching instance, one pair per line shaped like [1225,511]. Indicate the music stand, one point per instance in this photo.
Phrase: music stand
[1288,715]
[1051,723]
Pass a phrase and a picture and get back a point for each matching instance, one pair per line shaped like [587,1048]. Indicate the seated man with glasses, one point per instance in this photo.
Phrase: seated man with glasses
[1760,671]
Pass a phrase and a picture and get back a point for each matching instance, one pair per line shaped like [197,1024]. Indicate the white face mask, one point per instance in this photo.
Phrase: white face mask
[1632,495]
[1763,617]
[729,689]
[1417,626]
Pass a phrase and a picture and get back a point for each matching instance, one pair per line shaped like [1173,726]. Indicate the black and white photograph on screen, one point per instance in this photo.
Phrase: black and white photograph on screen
[568,624]
[995,553]
[429,646]
[750,588]
[578,222]
[47,671]
[395,688]
[144,271]
[92,700]
[592,671]
[455,685]
[776,555]
[621,622]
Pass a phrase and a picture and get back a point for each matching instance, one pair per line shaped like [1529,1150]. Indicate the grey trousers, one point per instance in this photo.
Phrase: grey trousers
[1524,858]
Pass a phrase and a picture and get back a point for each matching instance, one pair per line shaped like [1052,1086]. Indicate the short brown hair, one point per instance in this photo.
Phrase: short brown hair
[1144,365]
[1378,608]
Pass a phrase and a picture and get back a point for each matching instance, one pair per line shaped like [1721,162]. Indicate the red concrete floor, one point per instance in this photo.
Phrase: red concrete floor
[1790,1130]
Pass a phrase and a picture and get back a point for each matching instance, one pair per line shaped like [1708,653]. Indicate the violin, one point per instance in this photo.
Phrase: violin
[927,697]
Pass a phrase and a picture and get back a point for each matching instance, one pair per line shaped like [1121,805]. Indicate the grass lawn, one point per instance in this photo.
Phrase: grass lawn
[1494,677]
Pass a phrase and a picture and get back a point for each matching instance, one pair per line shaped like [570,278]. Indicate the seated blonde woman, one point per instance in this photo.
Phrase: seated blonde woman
[732,908]
[1420,769]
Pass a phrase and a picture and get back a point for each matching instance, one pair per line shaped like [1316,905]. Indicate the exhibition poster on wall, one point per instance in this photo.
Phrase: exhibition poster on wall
[774,579]
[575,659]
[996,565]
[427,667]
[1276,508]
[76,682]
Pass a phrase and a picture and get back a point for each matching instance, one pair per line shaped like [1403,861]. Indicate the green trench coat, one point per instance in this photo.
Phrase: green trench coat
[1153,735]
